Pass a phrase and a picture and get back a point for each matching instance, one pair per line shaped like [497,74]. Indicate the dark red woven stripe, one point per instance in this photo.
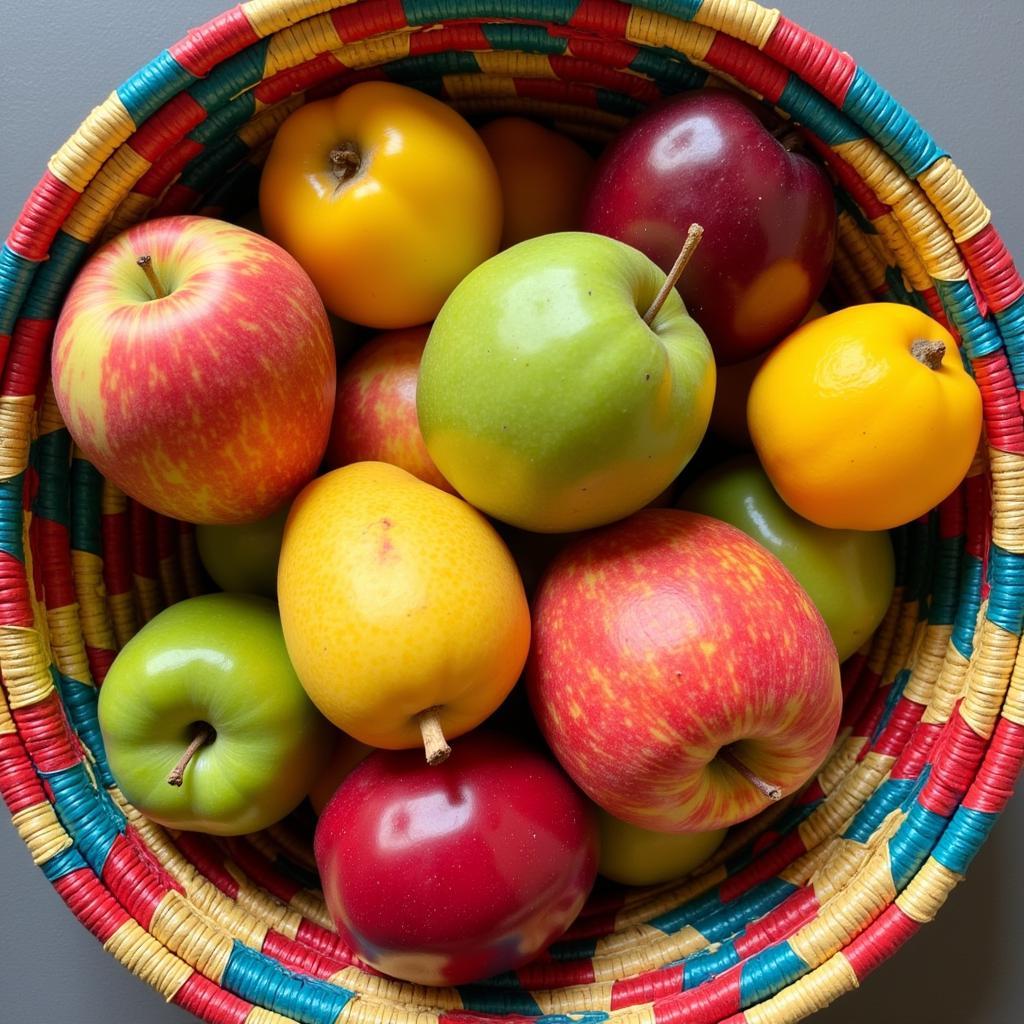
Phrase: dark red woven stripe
[953,515]
[464,35]
[44,211]
[178,199]
[90,902]
[332,86]
[369,18]
[817,62]
[954,765]
[300,958]
[143,548]
[878,942]
[50,547]
[858,701]
[48,738]
[205,47]
[23,368]
[706,1004]
[261,871]
[173,121]
[100,660]
[1004,423]
[208,1001]
[602,17]
[612,52]
[767,865]
[168,568]
[938,311]
[138,886]
[993,269]
[19,784]
[849,180]
[911,760]
[792,913]
[994,784]
[167,168]
[748,65]
[296,79]
[326,942]
[15,605]
[202,853]
[899,728]
[978,502]
[543,974]
[646,988]
[572,69]
[117,576]
[851,671]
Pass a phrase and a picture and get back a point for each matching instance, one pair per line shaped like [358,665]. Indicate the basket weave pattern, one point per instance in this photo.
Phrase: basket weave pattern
[802,904]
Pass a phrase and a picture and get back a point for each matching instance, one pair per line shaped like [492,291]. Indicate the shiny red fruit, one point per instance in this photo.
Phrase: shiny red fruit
[768,215]
[449,874]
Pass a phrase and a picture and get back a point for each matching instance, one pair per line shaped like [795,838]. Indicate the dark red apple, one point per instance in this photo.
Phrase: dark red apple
[448,874]
[768,215]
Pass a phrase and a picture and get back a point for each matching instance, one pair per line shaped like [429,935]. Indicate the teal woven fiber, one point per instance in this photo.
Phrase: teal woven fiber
[980,336]
[1011,326]
[910,847]
[84,521]
[806,105]
[88,815]
[224,120]
[1006,599]
[431,12]
[766,972]
[152,86]
[79,700]
[54,277]
[671,72]
[892,698]
[890,795]
[708,963]
[945,575]
[12,492]
[506,998]
[63,863]
[528,38]
[16,274]
[232,77]
[209,166]
[963,838]
[50,456]
[968,605]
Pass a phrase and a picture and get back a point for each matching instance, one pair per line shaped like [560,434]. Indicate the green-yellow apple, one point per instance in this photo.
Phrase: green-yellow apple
[194,366]
[679,672]
[848,574]
[205,723]
[375,408]
[544,396]
[638,856]
[242,557]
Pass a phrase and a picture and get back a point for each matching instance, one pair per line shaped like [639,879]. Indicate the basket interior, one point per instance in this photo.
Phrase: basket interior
[800,904]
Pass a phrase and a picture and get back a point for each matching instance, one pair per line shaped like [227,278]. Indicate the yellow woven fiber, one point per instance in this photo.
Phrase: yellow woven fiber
[988,676]
[930,236]
[106,128]
[840,763]
[1007,500]
[927,661]
[927,891]
[882,641]
[960,206]
[515,64]
[367,53]
[147,596]
[948,688]
[470,86]
[267,121]
[263,906]
[813,992]
[270,16]
[7,726]
[184,931]
[642,948]
[389,990]
[258,1015]
[901,250]
[105,193]
[902,642]
[1013,705]
[41,832]
[123,616]
[16,428]
[739,18]
[146,957]
[648,28]
[865,258]
[133,208]
[849,275]
[299,43]
[24,665]
[66,642]
[577,999]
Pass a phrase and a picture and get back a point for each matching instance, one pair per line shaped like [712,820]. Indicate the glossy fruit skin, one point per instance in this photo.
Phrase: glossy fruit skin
[397,597]
[375,409]
[211,404]
[664,637]
[638,856]
[544,178]
[220,659]
[848,574]
[768,215]
[856,433]
[242,557]
[387,246]
[449,874]
[544,397]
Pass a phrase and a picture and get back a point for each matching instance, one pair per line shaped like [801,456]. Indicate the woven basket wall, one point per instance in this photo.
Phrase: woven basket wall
[801,905]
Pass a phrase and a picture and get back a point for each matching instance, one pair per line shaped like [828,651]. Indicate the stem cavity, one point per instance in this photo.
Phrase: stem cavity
[928,352]
[345,161]
[205,734]
[146,262]
[773,793]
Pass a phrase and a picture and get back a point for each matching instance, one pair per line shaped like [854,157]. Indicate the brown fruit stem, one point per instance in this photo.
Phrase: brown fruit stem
[345,161]
[788,137]
[434,743]
[928,352]
[693,237]
[772,792]
[146,262]
[205,734]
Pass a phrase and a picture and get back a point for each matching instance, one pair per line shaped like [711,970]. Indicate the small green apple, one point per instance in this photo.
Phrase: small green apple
[242,557]
[848,574]
[546,399]
[638,856]
[211,675]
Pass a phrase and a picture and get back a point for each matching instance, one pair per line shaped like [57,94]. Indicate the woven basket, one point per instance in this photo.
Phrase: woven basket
[802,904]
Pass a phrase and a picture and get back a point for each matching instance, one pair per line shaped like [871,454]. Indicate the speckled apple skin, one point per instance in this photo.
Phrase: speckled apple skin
[664,637]
[449,874]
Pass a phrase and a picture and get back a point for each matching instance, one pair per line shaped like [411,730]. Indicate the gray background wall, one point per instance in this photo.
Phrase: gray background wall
[956,66]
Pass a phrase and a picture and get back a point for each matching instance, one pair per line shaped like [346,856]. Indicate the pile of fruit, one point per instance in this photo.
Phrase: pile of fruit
[493,597]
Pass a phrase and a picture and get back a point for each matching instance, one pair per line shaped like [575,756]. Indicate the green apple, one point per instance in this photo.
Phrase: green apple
[848,574]
[546,399]
[205,723]
[242,557]
[638,856]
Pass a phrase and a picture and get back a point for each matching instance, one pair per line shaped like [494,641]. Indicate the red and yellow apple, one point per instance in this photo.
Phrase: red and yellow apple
[201,380]
[375,410]
[679,673]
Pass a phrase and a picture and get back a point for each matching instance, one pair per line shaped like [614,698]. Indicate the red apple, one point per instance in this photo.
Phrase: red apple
[201,380]
[375,411]
[679,672]
[448,874]
[768,215]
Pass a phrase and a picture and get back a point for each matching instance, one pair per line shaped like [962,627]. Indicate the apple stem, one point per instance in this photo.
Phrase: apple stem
[201,738]
[345,161]
[434,743]
[787,136]
[928,352]
[772,792]
[146,262]
[693,237]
